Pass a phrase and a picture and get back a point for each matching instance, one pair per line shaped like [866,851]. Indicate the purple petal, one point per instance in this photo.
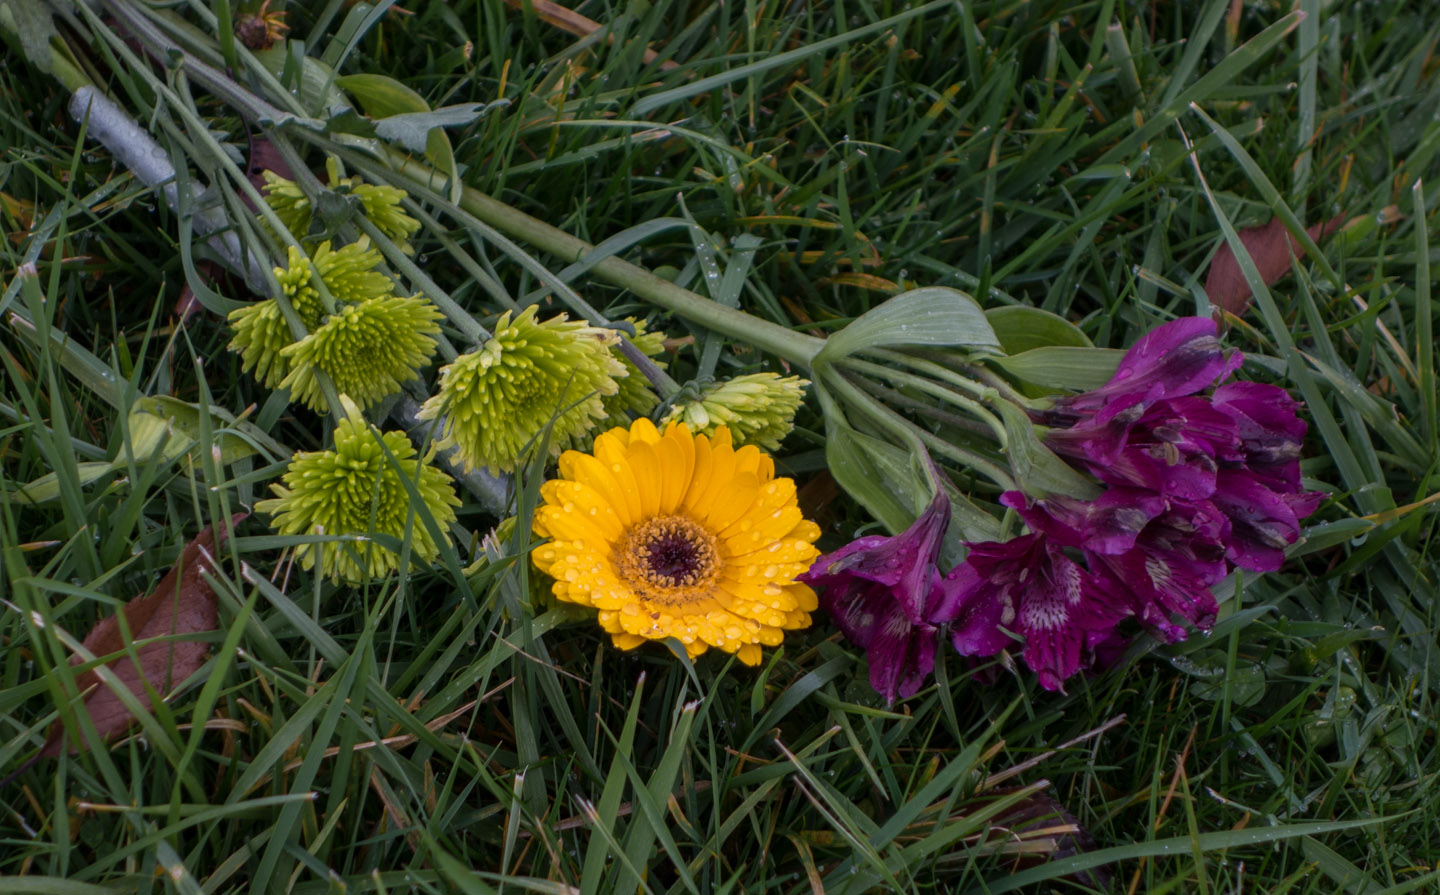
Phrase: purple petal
[1108,524]
[975,614]
[901,657]
[859,609]
[1164,584]
[1054,601]
[1269,430]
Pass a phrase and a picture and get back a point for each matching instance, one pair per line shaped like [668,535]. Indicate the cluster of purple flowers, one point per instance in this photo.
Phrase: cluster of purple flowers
[1196,483]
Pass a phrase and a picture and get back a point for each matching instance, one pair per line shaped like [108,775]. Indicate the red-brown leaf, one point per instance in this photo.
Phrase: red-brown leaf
[181,604]
[1270,247]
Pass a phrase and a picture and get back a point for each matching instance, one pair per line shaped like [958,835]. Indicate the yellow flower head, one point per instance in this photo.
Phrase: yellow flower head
[496,399]
[355,489]
[758,408]
[678,535]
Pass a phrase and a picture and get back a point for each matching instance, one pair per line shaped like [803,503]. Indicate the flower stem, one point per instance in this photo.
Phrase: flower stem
[795,347]
[930,387]
[911,434]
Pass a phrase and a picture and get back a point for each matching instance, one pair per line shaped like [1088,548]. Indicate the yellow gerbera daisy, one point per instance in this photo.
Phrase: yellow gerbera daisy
[678,535]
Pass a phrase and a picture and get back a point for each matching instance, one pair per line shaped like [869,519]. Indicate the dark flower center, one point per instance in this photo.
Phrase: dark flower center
[665,553]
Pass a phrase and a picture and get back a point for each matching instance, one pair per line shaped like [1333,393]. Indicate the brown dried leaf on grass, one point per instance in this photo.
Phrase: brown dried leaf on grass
[181,604]
[1270,246]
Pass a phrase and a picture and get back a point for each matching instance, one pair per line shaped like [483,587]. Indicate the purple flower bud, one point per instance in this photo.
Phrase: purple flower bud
[1269,430]
[1263,523]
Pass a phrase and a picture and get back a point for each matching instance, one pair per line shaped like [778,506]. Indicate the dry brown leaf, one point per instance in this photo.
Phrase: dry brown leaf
[181,604]
[1271,247]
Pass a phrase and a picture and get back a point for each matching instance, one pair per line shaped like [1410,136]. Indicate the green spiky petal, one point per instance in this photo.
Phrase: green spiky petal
[261,333]
[496,399]
[382,206]
[353,489]
[367,349]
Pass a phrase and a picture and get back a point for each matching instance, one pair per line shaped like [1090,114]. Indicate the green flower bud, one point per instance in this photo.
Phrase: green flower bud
[758,408]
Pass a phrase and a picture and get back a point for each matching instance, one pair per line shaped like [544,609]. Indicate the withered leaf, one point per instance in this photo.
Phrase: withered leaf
[1041,816]
[1271,247]
[181,604]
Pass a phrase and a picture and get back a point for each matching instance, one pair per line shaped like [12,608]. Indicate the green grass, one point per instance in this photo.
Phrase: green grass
[453,730]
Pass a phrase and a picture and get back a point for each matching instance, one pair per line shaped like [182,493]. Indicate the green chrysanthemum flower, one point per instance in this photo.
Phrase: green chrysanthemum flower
[349,271]
[367,349]
[499,397]
[382,206]
[289,203]
[294,281]
[758,408]
[379,202]
[261,332]
[635,394]
[354,489]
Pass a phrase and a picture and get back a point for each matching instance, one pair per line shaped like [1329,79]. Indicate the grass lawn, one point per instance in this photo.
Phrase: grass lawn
[439,721]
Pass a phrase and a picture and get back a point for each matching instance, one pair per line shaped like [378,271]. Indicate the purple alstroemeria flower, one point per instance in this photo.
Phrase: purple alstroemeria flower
[1171,568]
[1178,358]
[1162,555]
[1108,524]
[1042,595]
[1173,447]
[887,596]
[1269,428]
[1262,522]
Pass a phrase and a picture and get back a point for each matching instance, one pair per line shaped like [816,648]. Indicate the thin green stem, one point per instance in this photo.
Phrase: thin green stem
[930,387]
[910,434]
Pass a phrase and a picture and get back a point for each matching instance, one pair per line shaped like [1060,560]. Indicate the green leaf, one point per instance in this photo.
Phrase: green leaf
[47,487]
[160,428]
[315,87]
[934,317]
[884,478]
[1021,328]
[1178,845]
[30,21]
[1037,470]
[411,129]
[381,96]
[1063,367]
[850,455]
[439,153]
